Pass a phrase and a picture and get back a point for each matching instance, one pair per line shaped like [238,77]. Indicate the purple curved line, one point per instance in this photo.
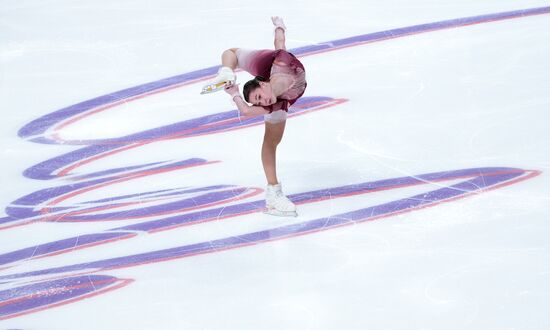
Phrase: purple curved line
[27,297]
[192,127]
[22,208]
[159,209]
[486,178]
[40,125]
[481,179]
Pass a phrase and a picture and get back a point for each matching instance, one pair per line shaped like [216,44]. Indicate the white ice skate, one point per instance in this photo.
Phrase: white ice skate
[277,203]
[225,77]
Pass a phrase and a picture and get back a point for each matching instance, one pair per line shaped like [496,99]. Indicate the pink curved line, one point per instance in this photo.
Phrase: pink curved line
[122,283]
[138,175]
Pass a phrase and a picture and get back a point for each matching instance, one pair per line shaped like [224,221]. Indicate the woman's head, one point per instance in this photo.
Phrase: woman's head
[258,92]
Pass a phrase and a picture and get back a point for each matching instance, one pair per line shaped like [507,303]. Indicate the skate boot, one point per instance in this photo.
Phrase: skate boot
[225,77]
[277,203]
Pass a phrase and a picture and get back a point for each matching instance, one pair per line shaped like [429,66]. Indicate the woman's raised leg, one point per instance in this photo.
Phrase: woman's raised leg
[229,58]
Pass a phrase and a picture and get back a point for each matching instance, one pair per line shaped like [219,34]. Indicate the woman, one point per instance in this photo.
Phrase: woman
[279,82]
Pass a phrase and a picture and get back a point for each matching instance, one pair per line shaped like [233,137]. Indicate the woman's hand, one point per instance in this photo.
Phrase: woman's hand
[232,90]
[278,22]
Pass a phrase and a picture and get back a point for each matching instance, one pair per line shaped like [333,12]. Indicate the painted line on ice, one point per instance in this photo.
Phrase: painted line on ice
[480,180]
[32,291]
[36,129]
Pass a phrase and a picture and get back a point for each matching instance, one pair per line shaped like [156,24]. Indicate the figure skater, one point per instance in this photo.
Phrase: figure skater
[279,81]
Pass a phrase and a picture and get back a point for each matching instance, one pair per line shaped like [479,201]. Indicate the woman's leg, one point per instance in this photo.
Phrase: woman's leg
[272,138]
[276,202]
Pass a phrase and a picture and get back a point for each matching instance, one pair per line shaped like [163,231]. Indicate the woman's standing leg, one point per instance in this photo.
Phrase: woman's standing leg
[275,200]
[272,138]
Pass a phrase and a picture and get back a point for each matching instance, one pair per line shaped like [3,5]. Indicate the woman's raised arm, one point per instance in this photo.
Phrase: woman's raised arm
[280,30]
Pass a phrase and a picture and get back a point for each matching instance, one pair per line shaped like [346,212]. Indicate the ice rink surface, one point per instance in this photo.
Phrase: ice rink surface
[418,157]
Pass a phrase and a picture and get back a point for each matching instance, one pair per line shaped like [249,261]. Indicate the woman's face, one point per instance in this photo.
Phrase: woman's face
[263,95]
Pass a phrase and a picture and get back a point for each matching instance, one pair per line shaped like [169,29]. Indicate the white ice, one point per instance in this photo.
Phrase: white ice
[474,96]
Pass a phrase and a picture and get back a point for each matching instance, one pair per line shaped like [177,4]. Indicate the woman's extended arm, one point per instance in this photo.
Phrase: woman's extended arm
[249,110]
[280,30]
[244,108]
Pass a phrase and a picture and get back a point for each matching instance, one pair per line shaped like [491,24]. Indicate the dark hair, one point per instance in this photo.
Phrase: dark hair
[251,85]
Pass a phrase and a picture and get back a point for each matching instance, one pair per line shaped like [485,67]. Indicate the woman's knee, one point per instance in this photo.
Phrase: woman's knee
[230,51]
[274,133]
[229,58]
[271,142]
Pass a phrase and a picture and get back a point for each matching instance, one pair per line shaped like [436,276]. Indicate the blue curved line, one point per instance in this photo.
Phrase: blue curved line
[42,124]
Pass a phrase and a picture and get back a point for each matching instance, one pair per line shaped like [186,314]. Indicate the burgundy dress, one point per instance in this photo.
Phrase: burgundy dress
[268,63]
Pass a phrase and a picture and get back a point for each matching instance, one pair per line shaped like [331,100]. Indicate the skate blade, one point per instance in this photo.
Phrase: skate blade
[280,213]
[212,88]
